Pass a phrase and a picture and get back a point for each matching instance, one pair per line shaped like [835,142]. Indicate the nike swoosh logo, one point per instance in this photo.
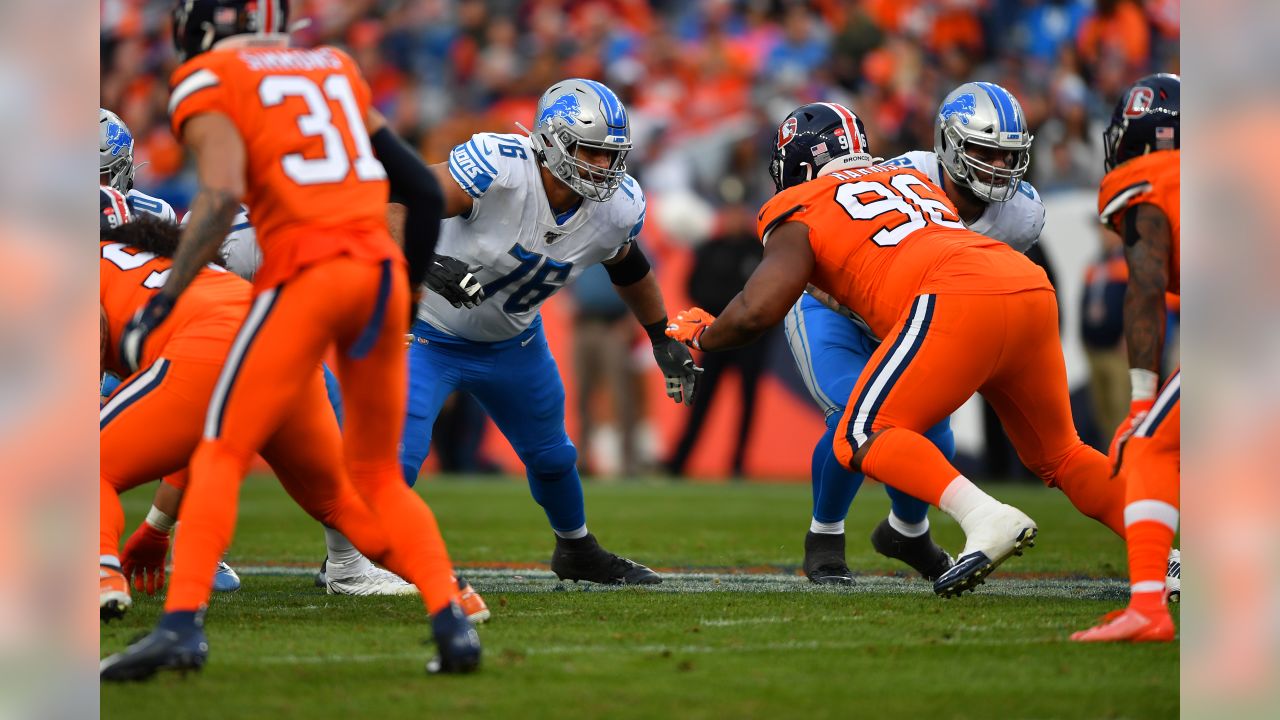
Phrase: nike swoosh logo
[526,341]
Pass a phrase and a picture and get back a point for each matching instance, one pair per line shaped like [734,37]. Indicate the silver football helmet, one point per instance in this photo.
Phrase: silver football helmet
[579,114]
[980,124]
[115,152]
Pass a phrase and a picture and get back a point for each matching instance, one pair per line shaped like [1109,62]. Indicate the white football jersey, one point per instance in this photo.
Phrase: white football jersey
[240,250]
[1017,223]
[524,252]
[140,202]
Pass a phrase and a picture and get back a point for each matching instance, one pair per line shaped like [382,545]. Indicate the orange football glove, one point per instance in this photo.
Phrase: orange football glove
[689,326]
[143,558]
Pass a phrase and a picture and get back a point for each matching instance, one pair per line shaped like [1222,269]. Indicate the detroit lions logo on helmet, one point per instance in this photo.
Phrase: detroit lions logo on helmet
[118,138]
[965,106]
[565,106]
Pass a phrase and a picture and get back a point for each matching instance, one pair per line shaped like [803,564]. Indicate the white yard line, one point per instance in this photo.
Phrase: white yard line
[520,580]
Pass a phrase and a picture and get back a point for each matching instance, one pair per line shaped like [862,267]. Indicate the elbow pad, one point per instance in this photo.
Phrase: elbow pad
[415,186]
[631,269]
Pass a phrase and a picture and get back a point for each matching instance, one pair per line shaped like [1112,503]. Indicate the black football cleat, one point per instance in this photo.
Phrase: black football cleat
[163,649]
[457,643]
[824,562]
[921,552]
[321,578]
[584,559]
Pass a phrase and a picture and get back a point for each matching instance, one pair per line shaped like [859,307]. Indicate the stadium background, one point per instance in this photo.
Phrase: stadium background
[705,84]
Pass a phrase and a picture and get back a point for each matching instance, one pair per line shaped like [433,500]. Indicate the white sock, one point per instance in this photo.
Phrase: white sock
[961,498]
[572,534]
[906,528]
[343,556]
[821,528]
[110,561]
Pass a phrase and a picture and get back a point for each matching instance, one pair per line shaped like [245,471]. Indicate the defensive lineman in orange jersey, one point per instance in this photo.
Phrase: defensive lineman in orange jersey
[1139,199]
[960,313]
[283,130]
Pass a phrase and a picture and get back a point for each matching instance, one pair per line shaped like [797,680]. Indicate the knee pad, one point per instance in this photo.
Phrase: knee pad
[552,463]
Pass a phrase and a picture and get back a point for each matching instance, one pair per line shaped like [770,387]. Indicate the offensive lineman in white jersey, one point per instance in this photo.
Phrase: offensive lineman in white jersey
[528,214]
[982,148]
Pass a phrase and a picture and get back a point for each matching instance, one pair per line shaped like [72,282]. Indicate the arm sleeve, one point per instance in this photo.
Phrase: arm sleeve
[412,183]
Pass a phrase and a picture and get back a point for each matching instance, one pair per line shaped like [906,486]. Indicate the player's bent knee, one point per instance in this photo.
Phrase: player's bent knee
[552,463]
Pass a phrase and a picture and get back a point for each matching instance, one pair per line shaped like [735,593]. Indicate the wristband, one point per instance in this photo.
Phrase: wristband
[1142,384]
[657,331]
[159,520]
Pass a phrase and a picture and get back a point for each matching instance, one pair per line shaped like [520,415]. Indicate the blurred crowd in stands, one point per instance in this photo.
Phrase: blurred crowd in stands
[705,81]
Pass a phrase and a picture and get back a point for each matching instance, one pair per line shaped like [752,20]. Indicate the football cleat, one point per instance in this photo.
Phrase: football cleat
[920,552]
[473,606]
[372,581]
[1001,532]
[1173,577]
[321,579]
[225,579]
[824,562]
[1130,625]
[457,643]
[584,559]
[113,593]
[163,649]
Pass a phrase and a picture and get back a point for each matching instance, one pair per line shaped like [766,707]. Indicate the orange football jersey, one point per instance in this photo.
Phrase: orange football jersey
[315,188]
[883,235]
[202,324]
[1152,178]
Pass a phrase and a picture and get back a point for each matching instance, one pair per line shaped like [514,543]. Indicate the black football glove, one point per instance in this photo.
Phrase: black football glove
[677,365]
[453,280]
[135,333]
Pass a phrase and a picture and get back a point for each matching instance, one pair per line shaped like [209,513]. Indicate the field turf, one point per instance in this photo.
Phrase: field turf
[734,632]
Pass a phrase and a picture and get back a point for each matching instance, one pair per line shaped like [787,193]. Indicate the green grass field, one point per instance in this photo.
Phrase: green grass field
[734,632]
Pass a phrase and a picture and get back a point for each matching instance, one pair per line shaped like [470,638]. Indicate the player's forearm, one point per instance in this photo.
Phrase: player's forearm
[1144,325]
[740,324]
[644,297]
[212,213]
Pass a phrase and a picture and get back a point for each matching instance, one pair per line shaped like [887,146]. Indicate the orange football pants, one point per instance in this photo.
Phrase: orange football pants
[943,350]
[153,424]
[1151,468]
[360,307]
[147,428]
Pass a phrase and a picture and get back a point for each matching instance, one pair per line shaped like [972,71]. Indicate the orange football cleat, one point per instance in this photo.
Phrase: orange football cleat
[113,593]
[1130,625]
[472,604]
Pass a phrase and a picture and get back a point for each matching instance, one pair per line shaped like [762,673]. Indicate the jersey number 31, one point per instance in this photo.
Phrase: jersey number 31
[318,122]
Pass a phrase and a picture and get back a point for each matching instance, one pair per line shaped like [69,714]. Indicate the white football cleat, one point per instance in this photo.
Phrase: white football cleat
[1173,577]
[999,532]
[372,581]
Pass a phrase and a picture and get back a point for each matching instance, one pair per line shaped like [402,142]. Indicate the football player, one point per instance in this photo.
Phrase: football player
[1139,199]
[982,148]
[116,167]
[285,129]
[959,313]
[530,213]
